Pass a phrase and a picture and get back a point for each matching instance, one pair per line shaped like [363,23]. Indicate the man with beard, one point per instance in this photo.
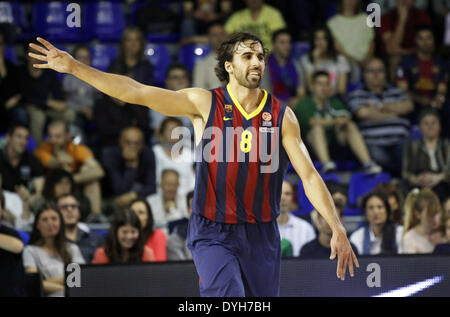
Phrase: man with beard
[233,234]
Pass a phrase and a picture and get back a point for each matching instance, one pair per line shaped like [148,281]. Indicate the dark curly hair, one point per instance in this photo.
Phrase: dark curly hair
[227,49]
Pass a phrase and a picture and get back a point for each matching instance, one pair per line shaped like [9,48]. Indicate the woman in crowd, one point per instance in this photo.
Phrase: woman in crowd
[48,252]
[444,248]
[380,235]
[423,230]
[323,57]
[124,243]
[395,200]
[153,238]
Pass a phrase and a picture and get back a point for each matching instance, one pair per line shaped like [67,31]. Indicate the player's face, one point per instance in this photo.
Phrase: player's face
[282,45]
[141,211]
[127,236]
[425,42]
[248,64]
[57,136]
[376,211]
[430,127]
[19,140]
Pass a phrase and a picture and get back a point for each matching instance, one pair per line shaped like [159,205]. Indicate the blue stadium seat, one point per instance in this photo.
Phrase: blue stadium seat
[299,48]
[25,236]
[361,184]
[190,54]
[303,201]
[415,133]
[106,20]
[11,55]
[159,56]
[102,55]
[50,21]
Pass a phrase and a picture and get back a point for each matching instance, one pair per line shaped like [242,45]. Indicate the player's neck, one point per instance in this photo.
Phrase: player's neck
[248,98]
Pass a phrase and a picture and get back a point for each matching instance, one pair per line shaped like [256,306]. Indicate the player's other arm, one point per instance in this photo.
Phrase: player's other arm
[317,192]
[167,102]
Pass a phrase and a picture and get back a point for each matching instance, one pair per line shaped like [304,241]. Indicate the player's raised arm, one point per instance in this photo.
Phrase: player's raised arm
[317,193]
[171,103]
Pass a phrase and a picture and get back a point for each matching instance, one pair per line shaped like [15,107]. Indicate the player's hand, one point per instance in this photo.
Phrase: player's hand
[56,59]
[341,247]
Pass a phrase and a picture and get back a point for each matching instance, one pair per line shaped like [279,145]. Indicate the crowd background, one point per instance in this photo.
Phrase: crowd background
[87,178]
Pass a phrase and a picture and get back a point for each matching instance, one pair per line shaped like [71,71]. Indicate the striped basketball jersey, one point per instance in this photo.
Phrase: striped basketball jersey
[240,161]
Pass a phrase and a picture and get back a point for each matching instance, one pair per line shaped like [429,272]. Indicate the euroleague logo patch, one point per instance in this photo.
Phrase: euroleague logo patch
[266,116]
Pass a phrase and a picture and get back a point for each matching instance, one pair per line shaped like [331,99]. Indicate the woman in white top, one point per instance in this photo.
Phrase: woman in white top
[48,251]
[422,222]
[323,57]
[379,235]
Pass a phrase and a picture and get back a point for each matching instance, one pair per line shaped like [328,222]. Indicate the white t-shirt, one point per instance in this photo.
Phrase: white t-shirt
[414,243]
[357,238]
[298,232]
[14,204]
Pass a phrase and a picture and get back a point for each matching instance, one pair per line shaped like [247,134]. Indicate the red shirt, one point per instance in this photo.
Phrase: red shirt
[100,256]
[158,243]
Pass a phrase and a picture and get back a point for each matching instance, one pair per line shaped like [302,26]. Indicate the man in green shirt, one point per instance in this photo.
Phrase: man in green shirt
[325,120]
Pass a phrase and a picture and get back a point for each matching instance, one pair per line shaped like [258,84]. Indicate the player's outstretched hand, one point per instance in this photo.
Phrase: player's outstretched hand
[341,247]
[56,59]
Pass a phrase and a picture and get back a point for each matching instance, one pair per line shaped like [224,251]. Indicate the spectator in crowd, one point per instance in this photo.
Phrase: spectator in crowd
[441,9]
[11,266]
[155,239]
[60,152]
[259,19]
[381,110]
[42,95]
[319,248]
[444,248]
[294,232]
[80,96]
[284,75]
[426,161]
[323,57]
[424,74]
[48,252]
[21,171]
[422,221]
[397,32]
[379,235]
[167,203]
[76,231]
[177,249]
[177,78]
[395,200]
[167,158]
[124,243]
[325,122]
[203,74]
[446,206]
[130,168]
[353,38]
[307,14]
[10,108]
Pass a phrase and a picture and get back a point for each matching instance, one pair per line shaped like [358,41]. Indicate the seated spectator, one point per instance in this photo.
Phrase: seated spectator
[167,158]
[48,252]
[11,266]
[21,171]
[422,213]
[10,108]
[294,232]
[155,239]
[444,248]
[80,95]
[283,77]
[379,235]
[42,95]
[325,122]
[426,161]
[60,152]
[177,249]
[446,207]
[397,32]
[353,38]
[203,75]
[167,203]
[124,243]
[259,19]
[381,110]
[395,200]
[323,57]
[130,168]
[424,74]
[320,248]
[76,231]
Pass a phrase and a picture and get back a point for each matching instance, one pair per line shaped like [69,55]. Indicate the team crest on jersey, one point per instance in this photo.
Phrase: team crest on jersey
[266,116]
[228,108]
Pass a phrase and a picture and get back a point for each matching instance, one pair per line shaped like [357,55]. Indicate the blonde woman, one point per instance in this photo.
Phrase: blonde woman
[422,222]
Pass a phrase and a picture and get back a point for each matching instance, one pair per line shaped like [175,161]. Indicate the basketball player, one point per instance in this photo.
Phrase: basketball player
[233,233]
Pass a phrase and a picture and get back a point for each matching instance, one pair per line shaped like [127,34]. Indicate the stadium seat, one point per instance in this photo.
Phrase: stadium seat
[361,184]
[299,48]
[102,55]
[159,56]
[11,55]
[190,54]
[50,21]
[106,20]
